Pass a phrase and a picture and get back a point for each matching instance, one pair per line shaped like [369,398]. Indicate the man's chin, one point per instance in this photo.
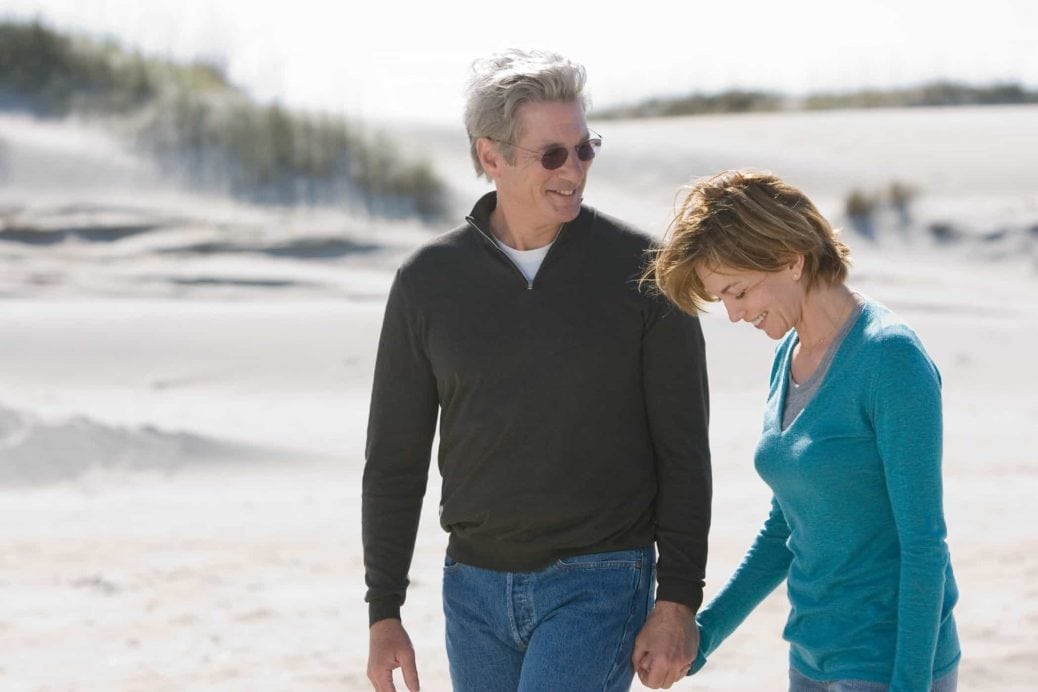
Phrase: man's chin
[570,210]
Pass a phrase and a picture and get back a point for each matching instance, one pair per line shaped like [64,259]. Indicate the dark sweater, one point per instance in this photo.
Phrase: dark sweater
[573,411]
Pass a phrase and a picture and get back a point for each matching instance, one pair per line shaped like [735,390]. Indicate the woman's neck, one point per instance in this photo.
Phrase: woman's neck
[825,311]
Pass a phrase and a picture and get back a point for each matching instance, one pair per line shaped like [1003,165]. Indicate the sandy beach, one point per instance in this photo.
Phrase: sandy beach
[182,427]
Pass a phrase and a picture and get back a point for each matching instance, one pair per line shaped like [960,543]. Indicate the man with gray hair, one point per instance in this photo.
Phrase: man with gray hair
[572,417]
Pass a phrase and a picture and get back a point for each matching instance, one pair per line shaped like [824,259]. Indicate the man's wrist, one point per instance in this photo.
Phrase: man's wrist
[688,594]
[675,608]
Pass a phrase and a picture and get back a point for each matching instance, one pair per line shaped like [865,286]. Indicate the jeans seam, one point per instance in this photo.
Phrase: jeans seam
[573,562]
[639,574]
[513,624]
[616,564]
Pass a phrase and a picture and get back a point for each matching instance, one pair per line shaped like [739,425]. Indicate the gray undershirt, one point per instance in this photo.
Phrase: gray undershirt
[799,395]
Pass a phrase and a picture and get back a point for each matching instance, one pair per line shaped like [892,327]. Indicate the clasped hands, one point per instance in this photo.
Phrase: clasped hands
[666,647]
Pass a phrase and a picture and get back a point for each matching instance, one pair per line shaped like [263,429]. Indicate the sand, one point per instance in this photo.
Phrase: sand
[182,432]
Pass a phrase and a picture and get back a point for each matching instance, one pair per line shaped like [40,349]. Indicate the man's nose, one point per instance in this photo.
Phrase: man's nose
[573,166]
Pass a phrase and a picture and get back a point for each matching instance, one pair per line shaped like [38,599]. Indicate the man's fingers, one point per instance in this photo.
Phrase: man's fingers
[655,673]
[639,662]
[638,654]
[382,680]
[390,648]
[669,680]
[410,671]
[642,666]
[676,676]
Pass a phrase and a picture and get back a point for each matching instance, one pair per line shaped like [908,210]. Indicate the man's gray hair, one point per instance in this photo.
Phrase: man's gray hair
[505,81]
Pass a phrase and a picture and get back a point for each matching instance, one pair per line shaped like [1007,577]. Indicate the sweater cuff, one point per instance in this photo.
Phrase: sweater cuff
[697,665]
[706,641]
[383,609]
[685,593]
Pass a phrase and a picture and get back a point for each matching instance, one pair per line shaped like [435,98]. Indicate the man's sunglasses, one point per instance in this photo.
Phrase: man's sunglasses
[555,157]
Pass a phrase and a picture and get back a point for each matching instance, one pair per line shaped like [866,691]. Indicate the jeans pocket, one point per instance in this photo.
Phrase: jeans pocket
[617,559]
[450,564]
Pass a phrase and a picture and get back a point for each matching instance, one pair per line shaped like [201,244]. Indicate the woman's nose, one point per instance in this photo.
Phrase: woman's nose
[734,313]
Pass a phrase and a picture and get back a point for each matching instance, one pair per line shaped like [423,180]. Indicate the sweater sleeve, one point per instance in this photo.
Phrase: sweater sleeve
[906,414]
[401,426]
[677,405]
[762,569]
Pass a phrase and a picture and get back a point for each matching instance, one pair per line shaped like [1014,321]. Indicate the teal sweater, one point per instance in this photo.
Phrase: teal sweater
[856,525]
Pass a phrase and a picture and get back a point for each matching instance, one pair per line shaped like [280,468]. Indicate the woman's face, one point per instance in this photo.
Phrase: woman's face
[770,301]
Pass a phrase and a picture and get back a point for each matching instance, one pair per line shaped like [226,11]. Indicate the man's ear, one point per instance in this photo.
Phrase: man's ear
[490,157]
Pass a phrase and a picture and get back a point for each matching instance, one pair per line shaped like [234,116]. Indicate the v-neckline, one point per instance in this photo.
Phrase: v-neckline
[786,372]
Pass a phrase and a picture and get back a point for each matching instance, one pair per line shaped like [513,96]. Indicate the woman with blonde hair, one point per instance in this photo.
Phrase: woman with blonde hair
[850,447]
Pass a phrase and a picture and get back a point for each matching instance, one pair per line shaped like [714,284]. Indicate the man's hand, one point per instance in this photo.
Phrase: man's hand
[389,648]
[666,646]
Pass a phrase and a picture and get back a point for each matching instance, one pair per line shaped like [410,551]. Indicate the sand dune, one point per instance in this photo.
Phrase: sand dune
[33,451]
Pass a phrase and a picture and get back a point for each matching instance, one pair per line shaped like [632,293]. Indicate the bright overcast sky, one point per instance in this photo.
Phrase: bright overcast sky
[410,59]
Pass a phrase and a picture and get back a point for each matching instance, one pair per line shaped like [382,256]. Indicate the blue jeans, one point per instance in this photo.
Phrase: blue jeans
[568,627]
[798,683]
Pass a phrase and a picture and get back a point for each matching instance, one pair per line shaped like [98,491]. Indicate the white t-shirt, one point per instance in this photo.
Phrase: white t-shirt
[528,261]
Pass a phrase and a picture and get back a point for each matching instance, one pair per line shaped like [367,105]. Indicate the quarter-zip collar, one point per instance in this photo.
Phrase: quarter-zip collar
[479,220]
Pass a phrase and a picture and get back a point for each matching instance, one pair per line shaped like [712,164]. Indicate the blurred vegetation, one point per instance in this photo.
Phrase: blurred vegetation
[863,208]
[209,134]
[860,203]
[697,104]
[939,93]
